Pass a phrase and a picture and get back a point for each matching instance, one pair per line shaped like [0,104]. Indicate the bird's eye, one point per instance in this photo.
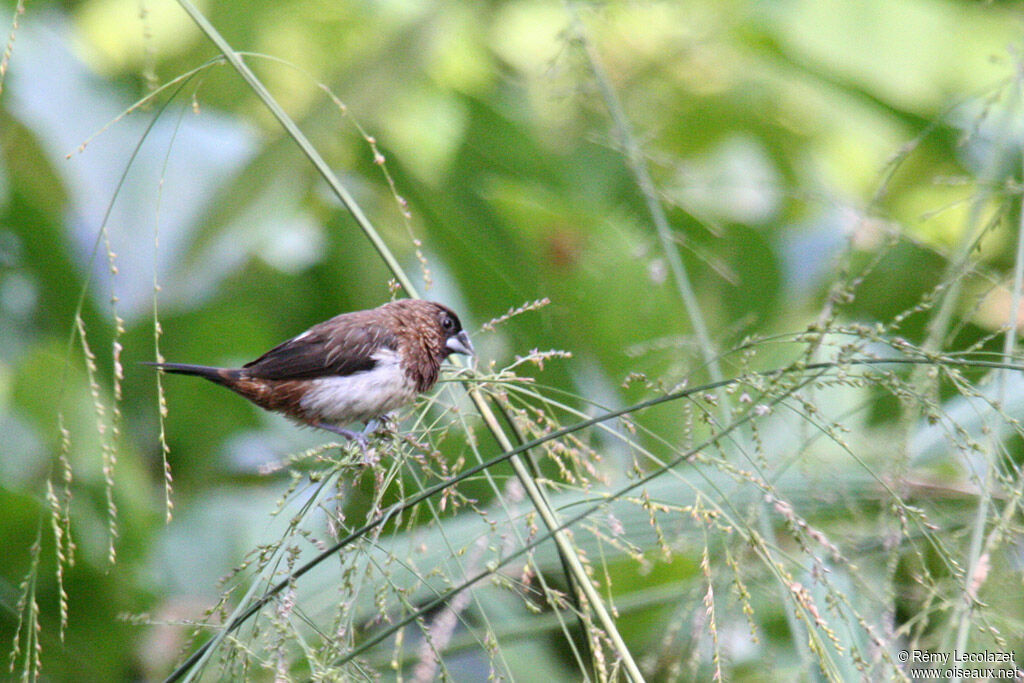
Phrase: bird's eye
[447,323]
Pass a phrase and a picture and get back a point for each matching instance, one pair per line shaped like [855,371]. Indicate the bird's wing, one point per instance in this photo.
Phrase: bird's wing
[340,346]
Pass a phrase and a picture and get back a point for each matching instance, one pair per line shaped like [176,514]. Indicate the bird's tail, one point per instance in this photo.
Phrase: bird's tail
[224,376]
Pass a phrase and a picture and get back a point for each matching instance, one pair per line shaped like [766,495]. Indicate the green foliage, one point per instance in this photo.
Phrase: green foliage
[833,476]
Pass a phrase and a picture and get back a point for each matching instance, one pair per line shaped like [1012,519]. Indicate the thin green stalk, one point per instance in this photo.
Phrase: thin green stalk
[235,60]
[471,561]
[561,538]
[638,166]
[958,265]
[574,592]
[937,329]
[981,517]
[547,624]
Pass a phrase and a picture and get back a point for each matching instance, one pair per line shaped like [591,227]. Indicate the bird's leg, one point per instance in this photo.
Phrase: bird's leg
[372,425]
[340,431]
[358,437]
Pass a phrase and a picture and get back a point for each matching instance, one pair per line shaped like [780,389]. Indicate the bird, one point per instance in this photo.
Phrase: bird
[354,367]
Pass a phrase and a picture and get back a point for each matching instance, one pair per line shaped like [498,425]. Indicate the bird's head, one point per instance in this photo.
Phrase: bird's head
[428,327]
[455,338]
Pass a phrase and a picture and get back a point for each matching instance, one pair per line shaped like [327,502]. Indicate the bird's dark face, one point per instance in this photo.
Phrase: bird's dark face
[455,338]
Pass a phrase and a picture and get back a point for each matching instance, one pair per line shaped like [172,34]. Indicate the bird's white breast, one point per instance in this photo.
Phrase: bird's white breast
[361,396]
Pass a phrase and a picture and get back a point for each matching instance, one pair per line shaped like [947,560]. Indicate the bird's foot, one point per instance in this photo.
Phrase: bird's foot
[383,426]
[372,426]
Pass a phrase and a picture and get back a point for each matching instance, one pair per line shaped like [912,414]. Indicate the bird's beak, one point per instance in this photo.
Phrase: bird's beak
[460,344]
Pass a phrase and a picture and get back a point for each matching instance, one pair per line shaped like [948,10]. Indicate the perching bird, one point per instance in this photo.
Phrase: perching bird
[355,367]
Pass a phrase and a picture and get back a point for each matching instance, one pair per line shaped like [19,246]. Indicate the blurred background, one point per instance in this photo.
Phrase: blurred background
[795,146]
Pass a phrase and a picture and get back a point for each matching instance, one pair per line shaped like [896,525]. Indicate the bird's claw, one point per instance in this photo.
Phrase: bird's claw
[370,455]
[382,426]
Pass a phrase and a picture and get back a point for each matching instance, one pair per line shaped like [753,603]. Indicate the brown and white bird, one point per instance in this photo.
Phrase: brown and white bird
[355,367]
